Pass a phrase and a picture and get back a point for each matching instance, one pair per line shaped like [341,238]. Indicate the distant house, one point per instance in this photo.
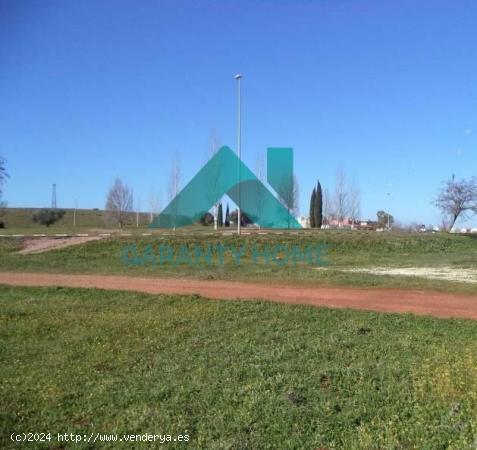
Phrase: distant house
[368,225]
[347,222]
[460,230]
[304,221]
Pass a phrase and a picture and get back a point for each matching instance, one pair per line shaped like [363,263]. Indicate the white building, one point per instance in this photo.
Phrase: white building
[304,221]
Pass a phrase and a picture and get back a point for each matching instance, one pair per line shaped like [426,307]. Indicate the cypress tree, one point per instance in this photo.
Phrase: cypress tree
[318,209]
[220,217]
[227,217]
[312,208]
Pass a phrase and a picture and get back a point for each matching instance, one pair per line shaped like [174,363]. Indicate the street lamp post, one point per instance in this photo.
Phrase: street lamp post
[238,77]
[74,213]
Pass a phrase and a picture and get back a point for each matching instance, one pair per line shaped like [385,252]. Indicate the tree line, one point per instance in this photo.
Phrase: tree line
[456,199]
[345,203]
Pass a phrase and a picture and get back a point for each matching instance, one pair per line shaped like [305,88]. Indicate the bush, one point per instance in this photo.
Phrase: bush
[207,219]
[244,219]
[48,216]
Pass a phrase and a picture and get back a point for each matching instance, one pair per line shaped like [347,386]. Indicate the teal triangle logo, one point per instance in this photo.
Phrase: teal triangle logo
[224,174]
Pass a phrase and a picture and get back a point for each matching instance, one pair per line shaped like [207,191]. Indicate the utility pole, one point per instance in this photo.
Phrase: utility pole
[53,196]
[238,77]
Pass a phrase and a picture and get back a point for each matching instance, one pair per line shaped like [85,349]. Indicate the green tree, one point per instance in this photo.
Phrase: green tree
[220,216]
[227,217]
[385,220]
[207,219]
[48,216]
[318,208]
[244,219]
[312,208]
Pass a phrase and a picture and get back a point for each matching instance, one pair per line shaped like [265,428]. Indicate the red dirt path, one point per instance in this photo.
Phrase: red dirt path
[386,300]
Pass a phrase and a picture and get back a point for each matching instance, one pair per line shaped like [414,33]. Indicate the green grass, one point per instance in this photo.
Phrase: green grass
[232,374]
[20,221]
[345,250]
[22,218]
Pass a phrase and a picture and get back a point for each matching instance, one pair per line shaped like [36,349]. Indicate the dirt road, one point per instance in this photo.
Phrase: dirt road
[45,244]
[386,300]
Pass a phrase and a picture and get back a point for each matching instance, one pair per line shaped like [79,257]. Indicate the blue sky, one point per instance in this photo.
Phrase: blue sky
[386,90]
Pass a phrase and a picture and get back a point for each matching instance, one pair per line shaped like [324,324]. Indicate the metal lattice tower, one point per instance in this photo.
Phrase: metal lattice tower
[53,196]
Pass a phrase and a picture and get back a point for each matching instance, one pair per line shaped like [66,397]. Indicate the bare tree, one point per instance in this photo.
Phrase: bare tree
[296,197]
[138,210]
[445,224]
[213,175]
[175,186]
[154,205]
[3,177]
[259,198]
[3,174]
[457,199]
[289,194]
[119,202]
[412,226]
[341,197]
[354,202]
[327,206]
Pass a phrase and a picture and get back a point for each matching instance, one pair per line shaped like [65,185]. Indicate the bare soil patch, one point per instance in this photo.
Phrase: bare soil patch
[436,273]
[44,244]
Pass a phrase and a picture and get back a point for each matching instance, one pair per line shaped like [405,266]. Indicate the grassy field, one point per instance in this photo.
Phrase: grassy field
[344,250]
[232,374]
[20,220]
[94,221]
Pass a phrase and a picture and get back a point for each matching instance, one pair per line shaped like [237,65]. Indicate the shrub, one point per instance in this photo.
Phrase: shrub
[207,219]
[48,216]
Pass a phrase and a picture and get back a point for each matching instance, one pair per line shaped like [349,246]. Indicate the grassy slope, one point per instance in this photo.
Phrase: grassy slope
[233,375]
[20,220]
[357,249]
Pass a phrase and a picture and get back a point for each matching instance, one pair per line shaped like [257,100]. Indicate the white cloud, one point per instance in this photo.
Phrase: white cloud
[467,131]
